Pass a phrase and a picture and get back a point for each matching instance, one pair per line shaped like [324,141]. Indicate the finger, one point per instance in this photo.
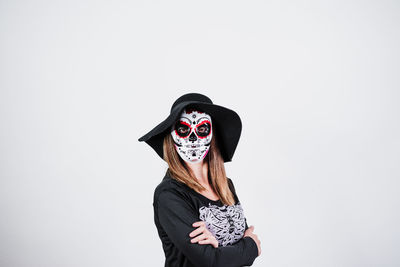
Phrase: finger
[198,238]
[199,223]
[206,241]
[215,244]
[251,228]
[197,231]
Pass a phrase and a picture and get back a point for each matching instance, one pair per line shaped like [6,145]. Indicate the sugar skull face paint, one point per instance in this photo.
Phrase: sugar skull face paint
[192,135]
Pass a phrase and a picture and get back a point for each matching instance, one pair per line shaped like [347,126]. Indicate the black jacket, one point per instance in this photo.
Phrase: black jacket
[177,207]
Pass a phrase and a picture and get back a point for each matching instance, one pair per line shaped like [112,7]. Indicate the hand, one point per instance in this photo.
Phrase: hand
[249,232]
[205,237]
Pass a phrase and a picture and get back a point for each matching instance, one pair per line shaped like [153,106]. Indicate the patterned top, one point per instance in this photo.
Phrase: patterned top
[226,223]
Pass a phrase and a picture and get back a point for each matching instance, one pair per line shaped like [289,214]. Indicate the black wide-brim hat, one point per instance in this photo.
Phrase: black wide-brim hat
[227,123]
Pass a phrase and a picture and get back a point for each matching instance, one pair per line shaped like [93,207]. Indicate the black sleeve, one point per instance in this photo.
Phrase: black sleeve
[176,216]
[232,187]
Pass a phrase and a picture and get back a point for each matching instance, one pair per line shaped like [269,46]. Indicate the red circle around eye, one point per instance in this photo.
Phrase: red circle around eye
[201,124]
[180,135]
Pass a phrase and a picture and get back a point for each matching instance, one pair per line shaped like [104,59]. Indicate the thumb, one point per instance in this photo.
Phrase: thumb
[251,228]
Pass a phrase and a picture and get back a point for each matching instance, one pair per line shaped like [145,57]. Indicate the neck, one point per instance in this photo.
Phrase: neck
[200,170]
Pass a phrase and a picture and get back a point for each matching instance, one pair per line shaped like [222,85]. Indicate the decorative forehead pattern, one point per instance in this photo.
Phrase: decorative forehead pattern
[193,116]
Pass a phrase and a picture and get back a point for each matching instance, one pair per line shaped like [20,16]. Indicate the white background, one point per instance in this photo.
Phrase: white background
[316,84]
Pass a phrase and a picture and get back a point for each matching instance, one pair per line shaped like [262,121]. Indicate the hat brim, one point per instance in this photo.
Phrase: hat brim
[227,123]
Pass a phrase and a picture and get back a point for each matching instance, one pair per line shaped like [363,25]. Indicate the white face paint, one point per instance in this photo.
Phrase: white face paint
[192,135]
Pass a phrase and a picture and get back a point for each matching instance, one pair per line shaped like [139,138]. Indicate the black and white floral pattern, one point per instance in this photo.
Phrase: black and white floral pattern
[226,223]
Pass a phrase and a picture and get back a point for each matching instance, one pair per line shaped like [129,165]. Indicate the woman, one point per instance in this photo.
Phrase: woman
[198,215]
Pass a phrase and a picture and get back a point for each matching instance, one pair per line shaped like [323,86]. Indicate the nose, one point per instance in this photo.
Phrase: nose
[192,137]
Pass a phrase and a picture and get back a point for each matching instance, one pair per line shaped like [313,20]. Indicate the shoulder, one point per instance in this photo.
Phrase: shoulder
[169,188]
[231,185]
[232,188]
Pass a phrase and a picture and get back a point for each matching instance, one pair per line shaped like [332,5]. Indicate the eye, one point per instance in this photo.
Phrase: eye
[203,130]
[182,129]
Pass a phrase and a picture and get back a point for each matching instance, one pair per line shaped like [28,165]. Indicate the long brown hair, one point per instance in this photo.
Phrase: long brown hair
[215,164]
